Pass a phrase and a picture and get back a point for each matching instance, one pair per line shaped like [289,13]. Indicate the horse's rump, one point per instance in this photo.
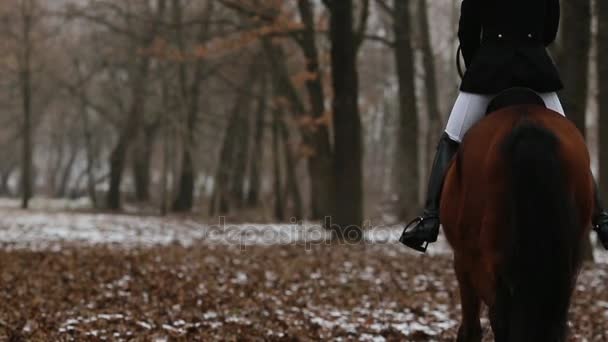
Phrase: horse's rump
[516,203]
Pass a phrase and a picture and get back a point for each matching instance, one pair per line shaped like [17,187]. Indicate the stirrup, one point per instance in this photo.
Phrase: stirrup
[421,219]
[417,244]
[599,226]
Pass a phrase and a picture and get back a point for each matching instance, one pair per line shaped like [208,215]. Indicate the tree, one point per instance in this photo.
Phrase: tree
[320,163]
[139,74]
[574,65]
[406,161]
[23,27]
[602,72]
[255,163]
[315,132]
[574,58]
[431,92]
[405,175]
[190,93]
[25,80]
[348,147]
[228,186]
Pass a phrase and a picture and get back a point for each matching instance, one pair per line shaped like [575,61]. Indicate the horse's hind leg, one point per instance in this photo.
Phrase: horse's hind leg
[498,324]
[470,327]
[499,313]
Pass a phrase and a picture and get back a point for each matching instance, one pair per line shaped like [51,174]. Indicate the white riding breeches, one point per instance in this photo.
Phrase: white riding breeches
[470,108]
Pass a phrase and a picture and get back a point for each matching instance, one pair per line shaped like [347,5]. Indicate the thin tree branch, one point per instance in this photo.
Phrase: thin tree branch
[388,9]
[363,19]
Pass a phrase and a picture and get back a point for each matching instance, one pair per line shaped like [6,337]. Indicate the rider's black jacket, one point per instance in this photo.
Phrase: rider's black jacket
[504,45]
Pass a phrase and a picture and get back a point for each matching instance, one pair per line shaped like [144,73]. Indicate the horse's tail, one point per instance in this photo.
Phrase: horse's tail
[535,285]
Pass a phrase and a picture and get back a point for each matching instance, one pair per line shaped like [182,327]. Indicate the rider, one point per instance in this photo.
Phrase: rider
[499,54]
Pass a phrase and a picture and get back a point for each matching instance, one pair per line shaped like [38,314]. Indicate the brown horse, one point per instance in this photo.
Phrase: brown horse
[516,206]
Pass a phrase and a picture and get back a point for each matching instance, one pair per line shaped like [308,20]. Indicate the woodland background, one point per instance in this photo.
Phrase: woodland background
[224,107]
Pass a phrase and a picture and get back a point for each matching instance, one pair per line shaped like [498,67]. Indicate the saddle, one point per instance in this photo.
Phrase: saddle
[513,97]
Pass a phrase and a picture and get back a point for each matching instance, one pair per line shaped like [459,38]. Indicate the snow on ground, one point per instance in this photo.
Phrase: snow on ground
[50,230]
[48,204]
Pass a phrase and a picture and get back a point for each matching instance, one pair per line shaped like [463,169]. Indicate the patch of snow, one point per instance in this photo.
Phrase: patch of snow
[240,279]
[110,317]
[172,329]
[144,325]
[210,315]
[371,338]
[238,320]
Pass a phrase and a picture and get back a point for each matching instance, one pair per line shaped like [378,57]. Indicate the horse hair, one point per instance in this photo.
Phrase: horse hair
[543,252]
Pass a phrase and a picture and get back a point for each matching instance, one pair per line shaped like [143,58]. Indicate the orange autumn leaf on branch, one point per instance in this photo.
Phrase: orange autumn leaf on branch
[302,77]
[311,123]
[326,119]
[280,102]
[222,46]
[305,122]
[306,151]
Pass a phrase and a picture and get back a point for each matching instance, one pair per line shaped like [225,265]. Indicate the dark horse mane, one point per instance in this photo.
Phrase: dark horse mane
[542,254]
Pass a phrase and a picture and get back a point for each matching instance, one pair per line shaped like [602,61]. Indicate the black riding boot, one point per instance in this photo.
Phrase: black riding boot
[600,219]
[425,229]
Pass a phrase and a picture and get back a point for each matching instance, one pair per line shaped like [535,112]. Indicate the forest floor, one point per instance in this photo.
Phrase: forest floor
[77,276]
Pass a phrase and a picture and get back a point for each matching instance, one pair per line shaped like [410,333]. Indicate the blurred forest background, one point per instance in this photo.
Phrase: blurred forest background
[253,109]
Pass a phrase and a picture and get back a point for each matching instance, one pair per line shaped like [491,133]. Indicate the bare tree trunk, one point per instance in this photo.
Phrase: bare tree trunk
[279,210]
[255,180]
[164,126]
[320,164]
[574,58]
[430,81]
[348,149]
[602,66]
[119,153]
[453,68]
[406,160]
[142,155]
[5,176]
[602,11]
[25,78]
[139,164]
[221,199]
[56,149]
[87,134]
[61,190]
[237,182]
[220,202]
[292,179]
[184,200]
[574,66]
[283,89]
[90,154]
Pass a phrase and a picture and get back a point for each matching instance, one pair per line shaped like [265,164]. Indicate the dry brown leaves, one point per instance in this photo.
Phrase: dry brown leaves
[277,293]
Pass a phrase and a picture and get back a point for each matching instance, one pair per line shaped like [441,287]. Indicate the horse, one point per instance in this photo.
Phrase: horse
[516,207]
